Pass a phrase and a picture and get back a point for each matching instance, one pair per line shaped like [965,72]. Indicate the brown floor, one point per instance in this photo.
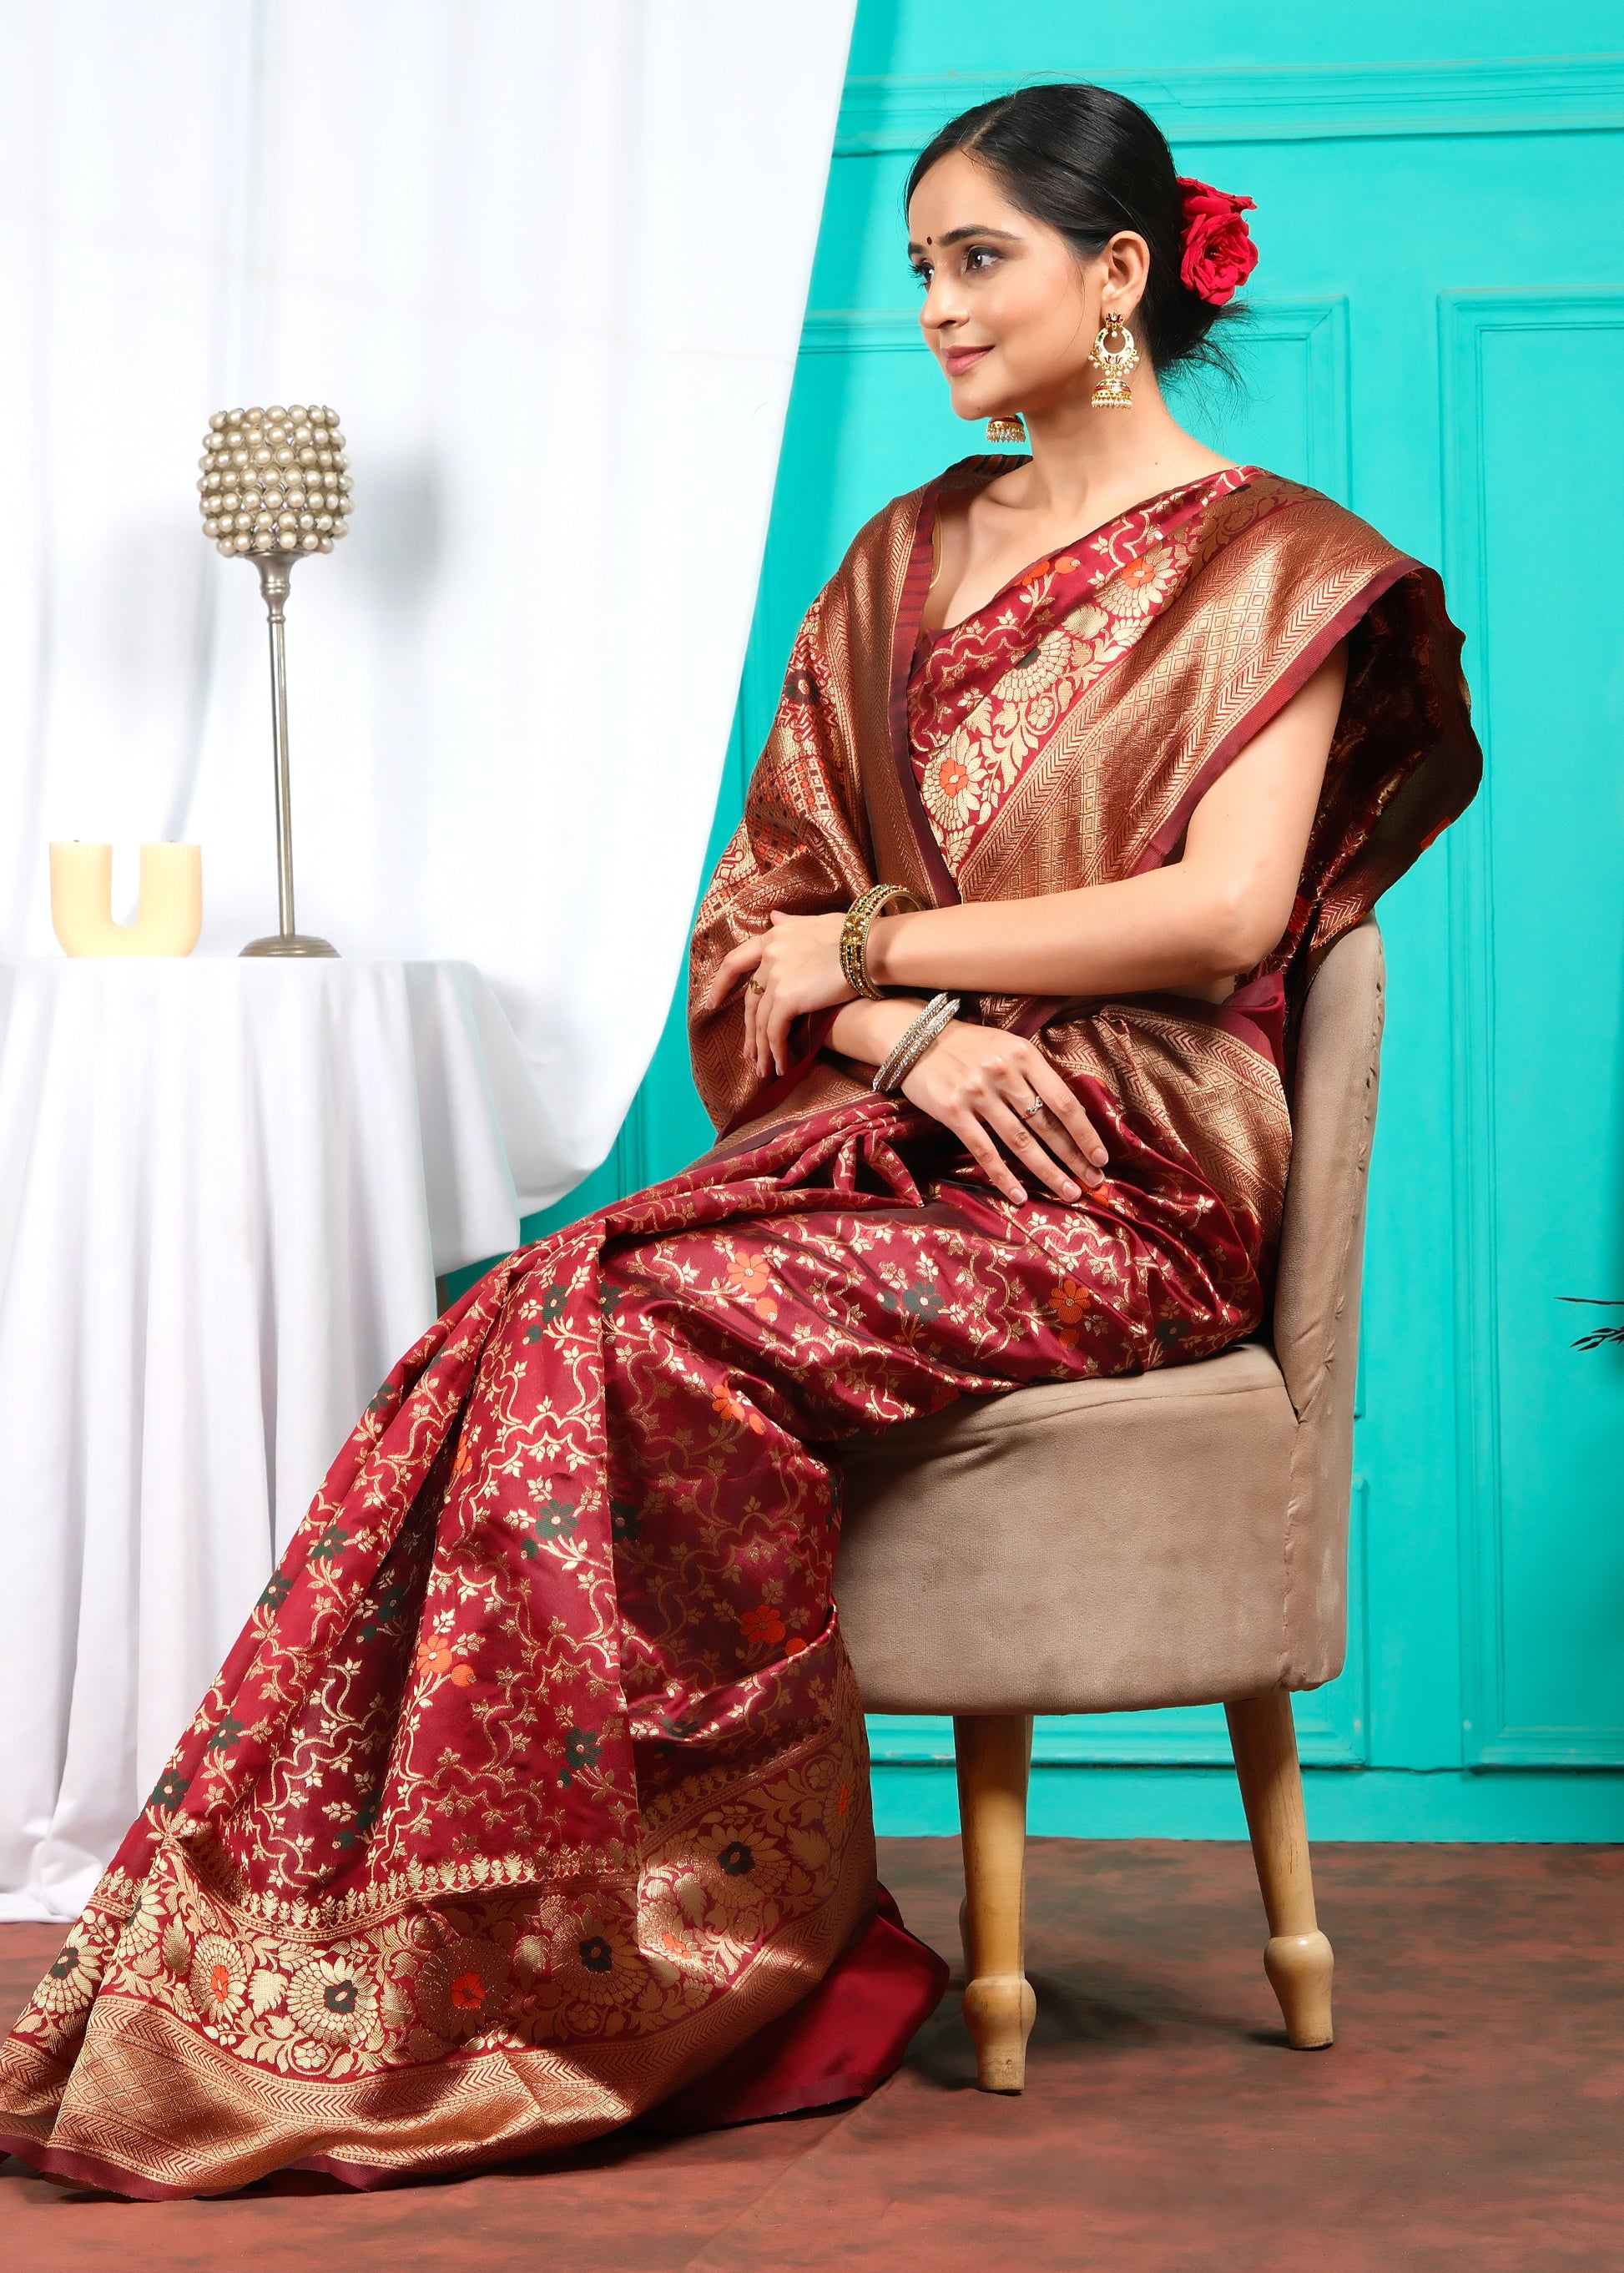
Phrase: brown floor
[1470,2116]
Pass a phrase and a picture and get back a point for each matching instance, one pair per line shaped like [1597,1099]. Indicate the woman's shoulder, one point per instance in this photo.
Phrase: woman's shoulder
[882,549]
[1279,557]
[899,515]
[1293,542]
[1303,524]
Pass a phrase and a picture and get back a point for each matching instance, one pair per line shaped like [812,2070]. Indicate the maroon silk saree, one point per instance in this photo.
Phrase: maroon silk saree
[533,1797]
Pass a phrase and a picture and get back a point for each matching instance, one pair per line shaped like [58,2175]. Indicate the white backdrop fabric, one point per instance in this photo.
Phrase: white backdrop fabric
[225,1189]
[548,259]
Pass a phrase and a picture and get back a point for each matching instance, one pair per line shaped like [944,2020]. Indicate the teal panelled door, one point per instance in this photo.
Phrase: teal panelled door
[1439,341]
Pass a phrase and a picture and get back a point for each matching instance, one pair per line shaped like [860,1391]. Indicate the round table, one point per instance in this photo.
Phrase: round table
[226,1190]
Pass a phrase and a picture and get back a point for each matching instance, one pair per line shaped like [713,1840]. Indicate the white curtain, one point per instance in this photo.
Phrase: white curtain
[548,259]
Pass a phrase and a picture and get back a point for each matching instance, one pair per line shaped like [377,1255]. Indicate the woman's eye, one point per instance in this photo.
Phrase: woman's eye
[922,275]
[976,255]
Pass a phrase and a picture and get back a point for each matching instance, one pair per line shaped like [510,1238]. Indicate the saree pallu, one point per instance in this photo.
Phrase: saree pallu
[533,1796]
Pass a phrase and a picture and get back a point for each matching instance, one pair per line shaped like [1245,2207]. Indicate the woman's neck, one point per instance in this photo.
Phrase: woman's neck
[1087,464]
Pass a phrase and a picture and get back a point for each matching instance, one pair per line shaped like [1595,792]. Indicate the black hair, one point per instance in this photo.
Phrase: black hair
[1089,162]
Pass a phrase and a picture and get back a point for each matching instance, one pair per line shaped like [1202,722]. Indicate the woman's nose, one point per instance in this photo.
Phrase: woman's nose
[940,307]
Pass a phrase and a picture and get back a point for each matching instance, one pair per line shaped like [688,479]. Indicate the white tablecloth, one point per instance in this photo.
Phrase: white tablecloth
[226,1189]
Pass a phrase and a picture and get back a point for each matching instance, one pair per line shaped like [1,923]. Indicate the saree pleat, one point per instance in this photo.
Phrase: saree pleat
[533,1797]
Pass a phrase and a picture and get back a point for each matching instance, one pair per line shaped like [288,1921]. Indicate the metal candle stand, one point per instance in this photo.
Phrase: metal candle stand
[275,487]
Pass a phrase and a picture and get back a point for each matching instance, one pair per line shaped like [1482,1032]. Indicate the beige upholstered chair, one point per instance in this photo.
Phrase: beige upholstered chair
[1178,1537]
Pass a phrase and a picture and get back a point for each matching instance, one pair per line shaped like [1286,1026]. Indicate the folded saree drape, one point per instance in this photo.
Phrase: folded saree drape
[533,1796]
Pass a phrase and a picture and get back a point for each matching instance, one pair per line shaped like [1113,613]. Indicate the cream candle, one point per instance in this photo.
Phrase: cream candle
[169,913]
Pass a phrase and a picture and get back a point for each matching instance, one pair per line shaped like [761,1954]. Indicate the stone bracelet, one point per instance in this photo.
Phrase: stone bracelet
[937,1015]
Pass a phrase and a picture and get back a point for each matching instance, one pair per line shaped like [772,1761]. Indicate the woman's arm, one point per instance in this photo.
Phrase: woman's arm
[1194,925]
[1206,917]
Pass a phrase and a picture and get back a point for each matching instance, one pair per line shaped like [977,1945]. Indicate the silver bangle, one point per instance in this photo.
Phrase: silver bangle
[937,1015]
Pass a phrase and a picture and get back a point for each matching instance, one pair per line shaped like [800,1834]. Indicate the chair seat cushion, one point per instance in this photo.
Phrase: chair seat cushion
[1076,1547]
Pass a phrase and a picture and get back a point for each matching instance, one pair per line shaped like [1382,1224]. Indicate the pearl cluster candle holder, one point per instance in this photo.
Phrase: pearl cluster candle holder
[275,480]
[275,484]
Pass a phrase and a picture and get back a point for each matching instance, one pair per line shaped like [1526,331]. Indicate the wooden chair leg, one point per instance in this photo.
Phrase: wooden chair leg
[1298,1959]
[994,1757]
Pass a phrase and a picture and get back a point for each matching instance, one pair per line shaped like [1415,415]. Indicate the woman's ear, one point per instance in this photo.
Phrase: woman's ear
[1127,270]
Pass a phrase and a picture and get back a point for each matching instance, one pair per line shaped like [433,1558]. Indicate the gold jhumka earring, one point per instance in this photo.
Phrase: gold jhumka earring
[1115,354]
[1006,429]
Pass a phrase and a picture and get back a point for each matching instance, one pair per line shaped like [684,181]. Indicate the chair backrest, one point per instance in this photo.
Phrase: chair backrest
[1316,1321]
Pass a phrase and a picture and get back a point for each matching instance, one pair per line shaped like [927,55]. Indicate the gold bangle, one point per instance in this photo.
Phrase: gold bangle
[854,934]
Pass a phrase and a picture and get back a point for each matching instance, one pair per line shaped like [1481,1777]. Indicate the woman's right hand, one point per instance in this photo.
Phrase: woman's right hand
[981,1082]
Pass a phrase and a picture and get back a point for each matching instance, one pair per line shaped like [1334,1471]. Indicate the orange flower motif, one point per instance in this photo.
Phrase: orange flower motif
[467,1993]
[436,1655]
[220,1981]
[793,1646]
[465,1457]
[1062,564]
[750,1278]
[1142,571]
[1068,1301]
[952,778]
[762,1625]
[733,1408]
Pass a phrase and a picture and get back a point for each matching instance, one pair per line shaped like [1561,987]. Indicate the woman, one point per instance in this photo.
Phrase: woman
[534,1795]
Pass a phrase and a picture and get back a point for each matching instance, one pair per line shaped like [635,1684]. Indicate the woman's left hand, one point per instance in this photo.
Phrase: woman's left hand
[790,969]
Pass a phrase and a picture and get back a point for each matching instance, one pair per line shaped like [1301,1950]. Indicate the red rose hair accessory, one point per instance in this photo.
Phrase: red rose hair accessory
[1218,254]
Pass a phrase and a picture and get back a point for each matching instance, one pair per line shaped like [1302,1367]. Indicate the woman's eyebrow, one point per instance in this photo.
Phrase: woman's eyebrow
[958,237]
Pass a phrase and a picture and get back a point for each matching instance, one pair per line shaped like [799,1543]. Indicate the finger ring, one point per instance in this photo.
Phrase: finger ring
[754,987]
[1036,1105]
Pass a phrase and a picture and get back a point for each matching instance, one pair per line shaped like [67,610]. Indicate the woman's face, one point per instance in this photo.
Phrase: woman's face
[1009,312]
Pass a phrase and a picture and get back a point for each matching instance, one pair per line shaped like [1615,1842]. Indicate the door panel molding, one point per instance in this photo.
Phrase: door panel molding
[1489,1738]
[861,331]
[1536,95]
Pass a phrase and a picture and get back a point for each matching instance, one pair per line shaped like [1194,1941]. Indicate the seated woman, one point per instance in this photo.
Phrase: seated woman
[534,1795]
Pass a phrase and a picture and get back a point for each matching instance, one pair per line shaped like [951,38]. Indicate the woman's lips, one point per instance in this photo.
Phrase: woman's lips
[956,360]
